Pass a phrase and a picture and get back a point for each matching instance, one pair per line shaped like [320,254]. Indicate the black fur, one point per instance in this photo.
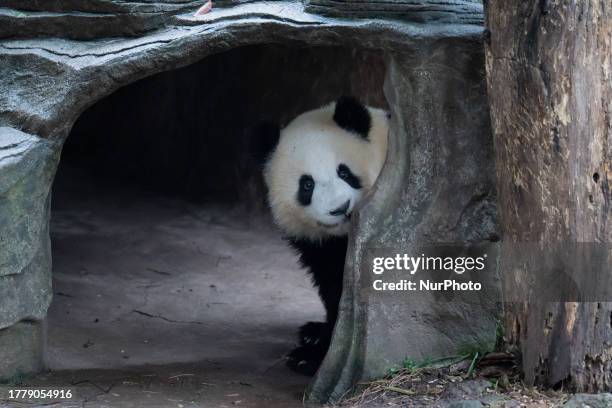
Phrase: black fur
[351,115]
[345,173]
[325,262]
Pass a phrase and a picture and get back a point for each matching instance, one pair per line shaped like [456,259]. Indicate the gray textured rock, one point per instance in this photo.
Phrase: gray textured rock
[25,181]
[86,19]
[432,11]
[436,187]
[21,350]
[90,19]
[27,167]
[27,294]
[603,400]
[465,404]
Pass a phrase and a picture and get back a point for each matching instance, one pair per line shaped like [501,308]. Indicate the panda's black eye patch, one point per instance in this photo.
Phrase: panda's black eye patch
[347,175]
[304,194]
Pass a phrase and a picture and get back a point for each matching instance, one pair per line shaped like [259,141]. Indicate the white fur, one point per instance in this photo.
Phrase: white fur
[314,144]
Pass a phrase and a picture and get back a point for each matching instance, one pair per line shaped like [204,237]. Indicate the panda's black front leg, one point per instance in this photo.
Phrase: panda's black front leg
[319,333]
[315,337]
[325,261]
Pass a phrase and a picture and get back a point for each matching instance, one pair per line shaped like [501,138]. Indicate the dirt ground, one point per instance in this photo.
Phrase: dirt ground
[163,303]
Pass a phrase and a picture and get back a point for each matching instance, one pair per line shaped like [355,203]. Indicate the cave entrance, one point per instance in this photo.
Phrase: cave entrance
[167,268]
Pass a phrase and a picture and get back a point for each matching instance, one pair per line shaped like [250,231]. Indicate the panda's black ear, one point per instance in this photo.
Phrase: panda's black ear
[352,115]
[264,138]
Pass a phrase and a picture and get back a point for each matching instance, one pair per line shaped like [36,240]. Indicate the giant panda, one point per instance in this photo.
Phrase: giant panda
[317,170]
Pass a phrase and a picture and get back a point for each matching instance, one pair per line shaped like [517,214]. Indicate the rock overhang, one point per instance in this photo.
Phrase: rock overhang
[51,80]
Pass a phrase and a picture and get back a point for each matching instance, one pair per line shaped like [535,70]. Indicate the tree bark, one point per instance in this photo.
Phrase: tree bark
[549,68]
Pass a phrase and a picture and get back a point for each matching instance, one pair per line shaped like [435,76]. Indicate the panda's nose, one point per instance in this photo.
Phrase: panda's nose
[342,209]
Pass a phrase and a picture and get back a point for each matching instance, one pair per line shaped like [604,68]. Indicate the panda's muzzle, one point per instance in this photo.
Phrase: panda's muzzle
[341,210]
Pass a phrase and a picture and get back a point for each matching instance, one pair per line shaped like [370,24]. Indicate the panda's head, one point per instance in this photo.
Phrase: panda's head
[322,164]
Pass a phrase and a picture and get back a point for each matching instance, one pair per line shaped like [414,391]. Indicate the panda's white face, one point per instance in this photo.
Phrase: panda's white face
[327,188]
[319,172]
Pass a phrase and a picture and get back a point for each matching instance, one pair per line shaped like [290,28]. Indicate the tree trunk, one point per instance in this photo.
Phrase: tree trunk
[549,67]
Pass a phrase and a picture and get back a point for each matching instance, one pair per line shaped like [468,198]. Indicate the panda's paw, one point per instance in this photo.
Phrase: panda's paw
[314,339]
[305,359]
[313,333]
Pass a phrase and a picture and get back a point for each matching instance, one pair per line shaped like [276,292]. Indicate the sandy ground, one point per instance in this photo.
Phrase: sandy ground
[163,303]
